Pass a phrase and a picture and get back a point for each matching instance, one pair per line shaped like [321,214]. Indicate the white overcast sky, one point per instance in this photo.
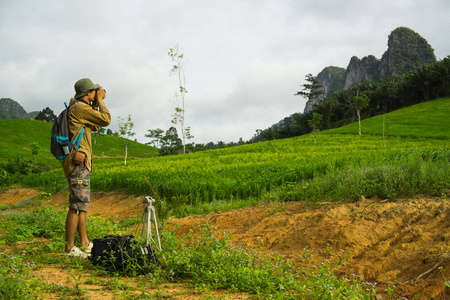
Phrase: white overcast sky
[245,58]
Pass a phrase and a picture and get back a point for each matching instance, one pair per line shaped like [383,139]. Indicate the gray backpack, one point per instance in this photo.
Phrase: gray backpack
[61,145]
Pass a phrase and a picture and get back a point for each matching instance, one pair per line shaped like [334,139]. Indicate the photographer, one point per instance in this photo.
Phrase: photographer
[89,112]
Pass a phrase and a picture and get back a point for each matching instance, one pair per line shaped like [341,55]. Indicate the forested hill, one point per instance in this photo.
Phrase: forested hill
[407,50]
[423,84]
[10,109]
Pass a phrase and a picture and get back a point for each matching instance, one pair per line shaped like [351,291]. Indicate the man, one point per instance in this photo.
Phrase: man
[88,111]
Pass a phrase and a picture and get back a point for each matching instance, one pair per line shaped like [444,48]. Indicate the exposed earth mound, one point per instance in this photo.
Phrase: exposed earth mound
[405,242]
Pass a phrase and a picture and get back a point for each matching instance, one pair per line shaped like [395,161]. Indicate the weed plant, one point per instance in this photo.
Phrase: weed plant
[217,205]
[16,281]
[211,261]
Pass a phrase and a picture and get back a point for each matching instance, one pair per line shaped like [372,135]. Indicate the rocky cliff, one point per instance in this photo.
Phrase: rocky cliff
[406,51]
[359,70]
[331,79]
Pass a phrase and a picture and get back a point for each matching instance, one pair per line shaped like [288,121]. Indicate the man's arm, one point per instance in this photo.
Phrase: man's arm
[100,118]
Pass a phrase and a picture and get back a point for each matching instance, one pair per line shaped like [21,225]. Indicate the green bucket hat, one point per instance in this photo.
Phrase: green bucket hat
[83,86]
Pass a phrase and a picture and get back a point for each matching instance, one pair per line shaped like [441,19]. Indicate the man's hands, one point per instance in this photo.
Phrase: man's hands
[101,93]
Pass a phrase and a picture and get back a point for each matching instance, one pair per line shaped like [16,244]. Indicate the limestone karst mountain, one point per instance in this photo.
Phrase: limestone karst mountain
[406,51]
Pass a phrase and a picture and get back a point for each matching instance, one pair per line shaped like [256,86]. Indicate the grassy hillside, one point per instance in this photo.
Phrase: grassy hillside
[18,134]
[340,165]
[428,120]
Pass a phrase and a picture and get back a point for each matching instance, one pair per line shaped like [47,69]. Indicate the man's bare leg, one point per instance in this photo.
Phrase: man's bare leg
[71,228]
[82,229]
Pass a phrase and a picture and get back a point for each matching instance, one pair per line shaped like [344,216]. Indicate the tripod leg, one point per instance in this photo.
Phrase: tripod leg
[157,231]
[144,221]
[149,226]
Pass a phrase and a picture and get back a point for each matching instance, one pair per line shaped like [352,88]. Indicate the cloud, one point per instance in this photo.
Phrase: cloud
[252,104]
[245,59]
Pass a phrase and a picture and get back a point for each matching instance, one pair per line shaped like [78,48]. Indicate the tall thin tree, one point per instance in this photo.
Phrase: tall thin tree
[315,124]
[178,68]
[358,103]
[125,131]
[156,135]
[311,89]
[326,108]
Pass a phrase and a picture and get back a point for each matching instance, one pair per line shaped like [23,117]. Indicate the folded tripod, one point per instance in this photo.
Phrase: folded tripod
[147,218]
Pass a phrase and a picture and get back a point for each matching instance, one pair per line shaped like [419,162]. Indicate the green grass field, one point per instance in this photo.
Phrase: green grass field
[413,158]
[424,120]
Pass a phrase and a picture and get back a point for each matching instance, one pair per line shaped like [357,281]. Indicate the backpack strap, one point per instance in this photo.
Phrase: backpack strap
[77,140]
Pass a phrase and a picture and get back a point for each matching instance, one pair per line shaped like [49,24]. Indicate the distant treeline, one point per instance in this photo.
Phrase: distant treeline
[423,84]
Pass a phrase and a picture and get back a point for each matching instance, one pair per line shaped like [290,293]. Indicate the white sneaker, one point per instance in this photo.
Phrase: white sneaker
[75,251]
[87,249]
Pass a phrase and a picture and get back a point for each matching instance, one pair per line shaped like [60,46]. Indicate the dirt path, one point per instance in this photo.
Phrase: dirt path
[404,242]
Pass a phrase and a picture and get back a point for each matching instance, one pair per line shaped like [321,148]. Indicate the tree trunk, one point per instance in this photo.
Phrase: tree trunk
[384,141]
[359,121]
[314,129]
[126,154]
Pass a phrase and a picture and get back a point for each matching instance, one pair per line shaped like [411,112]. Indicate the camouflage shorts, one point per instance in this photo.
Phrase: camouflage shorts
[79,188]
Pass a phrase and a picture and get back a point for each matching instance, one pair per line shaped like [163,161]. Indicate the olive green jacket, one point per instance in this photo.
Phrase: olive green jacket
[81,114]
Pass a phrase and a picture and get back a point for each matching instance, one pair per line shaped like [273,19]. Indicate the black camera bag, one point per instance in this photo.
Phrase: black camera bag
[119,253]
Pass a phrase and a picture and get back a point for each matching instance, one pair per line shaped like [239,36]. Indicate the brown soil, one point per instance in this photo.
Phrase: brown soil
[405,242]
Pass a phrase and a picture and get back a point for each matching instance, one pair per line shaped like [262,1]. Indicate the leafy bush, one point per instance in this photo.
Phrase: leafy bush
[35,148]
[22,165]
[3,176]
